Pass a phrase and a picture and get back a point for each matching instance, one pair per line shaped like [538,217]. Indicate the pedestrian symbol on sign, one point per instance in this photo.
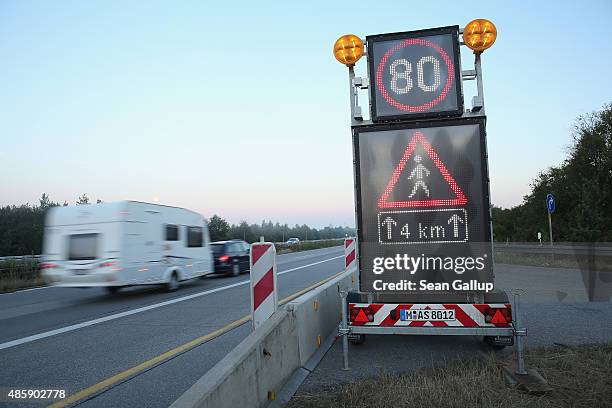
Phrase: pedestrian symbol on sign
[418,172]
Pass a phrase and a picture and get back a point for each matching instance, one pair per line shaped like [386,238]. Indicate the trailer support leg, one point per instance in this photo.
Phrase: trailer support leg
[519,333]
[344,330]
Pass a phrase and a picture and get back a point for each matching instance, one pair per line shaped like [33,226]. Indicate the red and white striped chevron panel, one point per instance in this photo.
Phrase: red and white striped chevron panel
[350,253]
[466,315]
[264,297]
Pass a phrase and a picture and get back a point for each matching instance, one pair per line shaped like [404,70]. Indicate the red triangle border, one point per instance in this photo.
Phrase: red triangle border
[383,201]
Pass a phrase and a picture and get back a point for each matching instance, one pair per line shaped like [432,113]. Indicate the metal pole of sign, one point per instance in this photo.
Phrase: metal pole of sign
[478,101]
[344,329]
[478,68]
[519,333]
[355,113]
[550,228]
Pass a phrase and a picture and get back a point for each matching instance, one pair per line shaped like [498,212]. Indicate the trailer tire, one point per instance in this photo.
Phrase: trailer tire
[357,339]
[490,341]
[353,297]
[173,283]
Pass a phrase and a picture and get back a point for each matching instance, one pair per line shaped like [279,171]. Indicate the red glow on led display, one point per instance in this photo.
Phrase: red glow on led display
[418,137]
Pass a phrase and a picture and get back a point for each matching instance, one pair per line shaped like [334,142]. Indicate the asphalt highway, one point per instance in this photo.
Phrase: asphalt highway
[74,339]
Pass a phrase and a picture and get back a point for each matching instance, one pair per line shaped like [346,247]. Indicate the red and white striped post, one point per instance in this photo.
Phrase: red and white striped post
[264,297]
[350,253]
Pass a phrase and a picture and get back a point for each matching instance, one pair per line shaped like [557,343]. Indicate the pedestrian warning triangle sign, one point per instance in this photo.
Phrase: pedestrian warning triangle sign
[457,197]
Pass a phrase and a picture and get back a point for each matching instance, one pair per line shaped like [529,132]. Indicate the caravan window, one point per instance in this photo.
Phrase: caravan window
[172,232]
[82,247]
[194,237]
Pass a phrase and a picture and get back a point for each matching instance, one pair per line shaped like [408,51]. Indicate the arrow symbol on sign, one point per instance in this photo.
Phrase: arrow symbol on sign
[390,223]
[455,219]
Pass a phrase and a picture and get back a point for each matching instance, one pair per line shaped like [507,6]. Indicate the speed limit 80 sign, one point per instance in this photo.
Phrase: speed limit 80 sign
[415,74]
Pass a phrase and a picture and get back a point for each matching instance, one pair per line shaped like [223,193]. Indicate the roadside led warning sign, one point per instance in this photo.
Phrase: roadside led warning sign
[415,74]
[423,207]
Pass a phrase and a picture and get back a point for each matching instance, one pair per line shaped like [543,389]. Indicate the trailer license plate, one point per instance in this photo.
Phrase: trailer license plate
[427,315]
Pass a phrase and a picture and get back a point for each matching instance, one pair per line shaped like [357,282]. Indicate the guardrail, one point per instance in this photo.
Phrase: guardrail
[283,348]
[19,272]
[19,258]
[561,248]
[595,249]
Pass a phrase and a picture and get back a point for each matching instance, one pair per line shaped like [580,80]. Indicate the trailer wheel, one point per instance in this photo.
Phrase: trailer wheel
[353,297]
[112,289]
[173,283]
[499,342]
[356,339]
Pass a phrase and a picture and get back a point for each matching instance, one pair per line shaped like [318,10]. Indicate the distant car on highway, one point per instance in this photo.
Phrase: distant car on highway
[231,257]
[293,241]
[125,243]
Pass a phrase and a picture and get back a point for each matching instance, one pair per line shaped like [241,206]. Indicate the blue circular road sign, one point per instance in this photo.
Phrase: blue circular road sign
[550,203]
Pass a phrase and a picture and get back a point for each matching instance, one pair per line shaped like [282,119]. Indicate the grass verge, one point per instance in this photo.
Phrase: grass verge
[579,377]
[19,274]
[598,263]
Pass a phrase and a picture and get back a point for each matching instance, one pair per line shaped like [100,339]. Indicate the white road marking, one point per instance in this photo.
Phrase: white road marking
[305,266]
[26,290]
[88,323]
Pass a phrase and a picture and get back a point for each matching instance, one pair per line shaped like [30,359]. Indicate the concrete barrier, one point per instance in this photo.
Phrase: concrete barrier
[317,315]
[255,371]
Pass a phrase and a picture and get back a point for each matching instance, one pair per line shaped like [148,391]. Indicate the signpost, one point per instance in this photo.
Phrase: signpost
[421,173]
[422,192]
[551,206]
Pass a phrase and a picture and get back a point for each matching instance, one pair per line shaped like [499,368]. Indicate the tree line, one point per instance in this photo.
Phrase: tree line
[581,185]
[21,228]
[275,232]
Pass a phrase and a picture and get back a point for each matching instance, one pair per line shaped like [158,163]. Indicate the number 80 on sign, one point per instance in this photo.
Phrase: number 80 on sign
[415,74]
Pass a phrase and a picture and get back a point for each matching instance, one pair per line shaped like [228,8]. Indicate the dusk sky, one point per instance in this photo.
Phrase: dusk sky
[240,109]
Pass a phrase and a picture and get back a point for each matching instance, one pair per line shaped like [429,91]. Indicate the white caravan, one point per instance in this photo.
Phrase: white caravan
[124,243]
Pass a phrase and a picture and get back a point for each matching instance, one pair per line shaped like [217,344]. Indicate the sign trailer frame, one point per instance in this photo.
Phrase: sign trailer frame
[515,330]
